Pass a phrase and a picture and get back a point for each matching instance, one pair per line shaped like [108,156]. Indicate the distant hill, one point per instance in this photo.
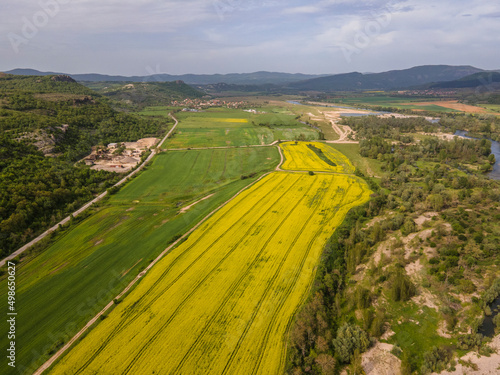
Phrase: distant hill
[145,93]
[257,78]
[42,84]
[470,81]
[394,79]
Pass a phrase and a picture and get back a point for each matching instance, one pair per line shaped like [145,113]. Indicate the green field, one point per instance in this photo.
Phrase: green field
[393,102]
[219,127]
[64,286]
[491,107]
[369,167]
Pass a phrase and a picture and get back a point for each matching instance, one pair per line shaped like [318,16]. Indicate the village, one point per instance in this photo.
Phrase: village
[119,157]
[198,104]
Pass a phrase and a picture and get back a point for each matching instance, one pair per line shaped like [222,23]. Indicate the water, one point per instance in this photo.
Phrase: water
[495,150]
[488,328]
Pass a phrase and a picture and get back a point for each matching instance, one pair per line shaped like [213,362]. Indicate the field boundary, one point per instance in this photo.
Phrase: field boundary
[88,204]
[91,322]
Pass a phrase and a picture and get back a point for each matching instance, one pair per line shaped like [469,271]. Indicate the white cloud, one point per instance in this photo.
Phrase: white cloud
[245,35]
[308,9]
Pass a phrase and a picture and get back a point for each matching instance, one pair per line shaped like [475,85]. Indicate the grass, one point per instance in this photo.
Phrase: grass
[369,167]
[186,175]
[415,330]
[395,102]
[491,107]
[222,302]
[218,127]
[61,288]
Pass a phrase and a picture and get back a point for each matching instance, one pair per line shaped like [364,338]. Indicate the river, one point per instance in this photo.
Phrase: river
[495,150]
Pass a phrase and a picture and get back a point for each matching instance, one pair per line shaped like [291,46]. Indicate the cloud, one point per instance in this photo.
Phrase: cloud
[303,10]
[124,36]
[491,15]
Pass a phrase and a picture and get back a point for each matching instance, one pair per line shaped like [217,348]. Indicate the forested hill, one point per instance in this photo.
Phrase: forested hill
[394,79]
[57,117]
[146,93]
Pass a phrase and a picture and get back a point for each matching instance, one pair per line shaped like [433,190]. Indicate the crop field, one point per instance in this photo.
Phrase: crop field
[417,104]
[230,127]
[189,174]
[223,301]
[64,286]
[302,157]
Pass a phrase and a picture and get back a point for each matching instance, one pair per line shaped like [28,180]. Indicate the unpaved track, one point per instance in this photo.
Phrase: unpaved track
[87,205]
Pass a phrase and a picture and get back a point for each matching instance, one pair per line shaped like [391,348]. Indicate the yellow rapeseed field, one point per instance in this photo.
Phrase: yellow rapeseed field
[300,156]
[223,301]
[242,120]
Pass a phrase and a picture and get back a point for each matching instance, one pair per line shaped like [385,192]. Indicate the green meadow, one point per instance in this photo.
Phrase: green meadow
[61,288]
[394,102]
[221,127]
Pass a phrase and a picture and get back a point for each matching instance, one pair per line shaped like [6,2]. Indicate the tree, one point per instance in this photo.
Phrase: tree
[402,289]
[349,338]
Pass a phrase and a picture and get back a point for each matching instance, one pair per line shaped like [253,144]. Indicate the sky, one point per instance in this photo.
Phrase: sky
[143,37]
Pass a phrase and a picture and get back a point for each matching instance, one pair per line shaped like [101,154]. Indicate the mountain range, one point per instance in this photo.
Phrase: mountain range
[433,76]
[256,78]
[394,79]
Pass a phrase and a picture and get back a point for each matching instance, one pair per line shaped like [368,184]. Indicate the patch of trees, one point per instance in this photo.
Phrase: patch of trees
[42,84]
[321,155]
[367,127]
[322,337]
[37,192]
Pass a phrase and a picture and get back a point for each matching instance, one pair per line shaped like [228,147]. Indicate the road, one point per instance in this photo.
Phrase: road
[87,205]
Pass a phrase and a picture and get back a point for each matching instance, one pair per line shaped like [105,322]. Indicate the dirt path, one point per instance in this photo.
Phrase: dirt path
[343,131]
[278,167]
[184,209]
[87,205]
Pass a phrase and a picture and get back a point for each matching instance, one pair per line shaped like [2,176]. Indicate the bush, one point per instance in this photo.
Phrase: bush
[402,289]
[349,338]
[436,360]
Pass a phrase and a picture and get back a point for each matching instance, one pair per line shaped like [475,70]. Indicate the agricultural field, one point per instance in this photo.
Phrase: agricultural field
[218,127]
[417,104]
[63,287]
[223,301]
[186,175]
[314,156]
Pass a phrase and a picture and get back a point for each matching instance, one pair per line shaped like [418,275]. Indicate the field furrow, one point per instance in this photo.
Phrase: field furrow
[129,316]
[223,300]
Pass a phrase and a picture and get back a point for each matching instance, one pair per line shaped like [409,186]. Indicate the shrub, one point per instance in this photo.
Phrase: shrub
[402,289]
[436,360]
[349,338]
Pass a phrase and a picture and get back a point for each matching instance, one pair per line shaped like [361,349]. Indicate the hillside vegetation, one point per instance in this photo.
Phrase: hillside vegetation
[415,267]
[142,94]
[53,116]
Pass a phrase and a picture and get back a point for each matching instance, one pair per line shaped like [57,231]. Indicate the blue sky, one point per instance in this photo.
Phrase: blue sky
[140,37]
